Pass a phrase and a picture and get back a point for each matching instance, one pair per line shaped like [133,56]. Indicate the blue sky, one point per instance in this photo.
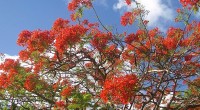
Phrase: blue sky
[17,15]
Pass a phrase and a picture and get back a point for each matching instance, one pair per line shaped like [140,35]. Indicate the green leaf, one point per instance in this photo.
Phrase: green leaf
[39,86]
[87,97]
[195,9]
[74,106]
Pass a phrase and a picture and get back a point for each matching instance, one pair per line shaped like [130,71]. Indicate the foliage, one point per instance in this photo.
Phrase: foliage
[78,64]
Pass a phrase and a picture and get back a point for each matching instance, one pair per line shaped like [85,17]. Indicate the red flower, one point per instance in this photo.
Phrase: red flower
[60,24]
[66,91]
[130,38]
[35,41]
[38,66]
[88,65]
[69,36]
[178,10]
[73,16]
[87,3]
[119,89]
[9,70]
[23,37]
[189,2]
[127,18]
[170,43]
[185,42]
[152,33]
[24,55]
[128,2]
[100,40]
[4,81]
[30,82]
[9,65]
[60,103]
[74,4]
[188,57]
[85,22]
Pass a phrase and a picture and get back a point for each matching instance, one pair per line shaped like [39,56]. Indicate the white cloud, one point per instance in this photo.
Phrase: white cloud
[6,56]
[158,11]
[121,5]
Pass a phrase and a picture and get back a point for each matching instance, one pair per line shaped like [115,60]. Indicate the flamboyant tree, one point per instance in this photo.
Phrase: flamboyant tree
[78,64]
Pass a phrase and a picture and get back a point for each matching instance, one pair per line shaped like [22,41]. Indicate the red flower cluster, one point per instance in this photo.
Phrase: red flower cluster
[128,2]
[152,33]
[119,89]
[189,2]
[188,57]
[30,82]
[60,24]
[129,56]
[73,5]
[112,50]
[60,104]
[24,55]
[9,71]
[4,81]
[35,41]
[74,16]
[66,91]
[174,32]
[130,38]
[127,18]
[100,40]
[9,65]
[185,42]
[38,66]
[169,43]
[69,36]
[173,35]
[23,38]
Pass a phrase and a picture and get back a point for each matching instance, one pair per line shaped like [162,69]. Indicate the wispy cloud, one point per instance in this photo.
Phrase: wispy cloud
[6,56]
[158,11]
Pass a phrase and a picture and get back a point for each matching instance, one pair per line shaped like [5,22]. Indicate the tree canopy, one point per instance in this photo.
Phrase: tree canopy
[79,64]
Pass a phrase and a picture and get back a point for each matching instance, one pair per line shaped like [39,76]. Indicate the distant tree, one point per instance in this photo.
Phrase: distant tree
[78,64]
